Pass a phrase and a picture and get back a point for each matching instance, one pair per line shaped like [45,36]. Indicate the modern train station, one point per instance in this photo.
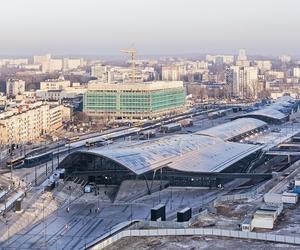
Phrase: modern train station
[207,157]
[182,159]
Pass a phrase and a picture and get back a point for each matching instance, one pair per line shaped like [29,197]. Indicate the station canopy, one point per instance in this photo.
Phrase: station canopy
[185,152]
[285,99]
[234,128]
[268,114]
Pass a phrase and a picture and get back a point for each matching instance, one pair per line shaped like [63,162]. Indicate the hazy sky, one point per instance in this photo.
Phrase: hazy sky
[102,27]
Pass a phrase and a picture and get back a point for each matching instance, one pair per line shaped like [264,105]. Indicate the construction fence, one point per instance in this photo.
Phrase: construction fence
[197,232]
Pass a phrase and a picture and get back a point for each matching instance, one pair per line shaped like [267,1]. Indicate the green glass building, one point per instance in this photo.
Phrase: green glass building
[134,100]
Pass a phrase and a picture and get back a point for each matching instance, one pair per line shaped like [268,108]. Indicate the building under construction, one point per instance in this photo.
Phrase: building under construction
[134,100]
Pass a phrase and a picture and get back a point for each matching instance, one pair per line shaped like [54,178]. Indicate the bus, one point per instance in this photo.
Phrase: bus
[15,163]
[73,139]
[94,142]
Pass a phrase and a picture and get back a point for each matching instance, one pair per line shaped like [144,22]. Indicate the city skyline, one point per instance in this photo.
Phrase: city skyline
[155,28]
[135,124]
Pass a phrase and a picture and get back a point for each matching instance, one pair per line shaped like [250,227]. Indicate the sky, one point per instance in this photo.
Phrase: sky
[103,27]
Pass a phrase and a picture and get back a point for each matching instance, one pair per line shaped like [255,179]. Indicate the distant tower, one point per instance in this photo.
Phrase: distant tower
[229,80]
[242,55]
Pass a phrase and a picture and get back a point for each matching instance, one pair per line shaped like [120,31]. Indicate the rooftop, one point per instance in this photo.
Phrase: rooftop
[136,86]
[188,152]
[234,128]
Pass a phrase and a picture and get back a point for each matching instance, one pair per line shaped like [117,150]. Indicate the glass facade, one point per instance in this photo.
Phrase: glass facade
[99,100]
[134,103]
[167,99]
[102,170]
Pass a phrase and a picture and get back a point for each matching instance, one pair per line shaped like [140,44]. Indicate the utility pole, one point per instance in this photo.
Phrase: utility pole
[131,212]
[45,238]
[52,164]
[58,154]
[35,175]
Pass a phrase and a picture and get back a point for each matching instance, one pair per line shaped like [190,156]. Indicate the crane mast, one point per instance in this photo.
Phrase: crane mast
[132,52]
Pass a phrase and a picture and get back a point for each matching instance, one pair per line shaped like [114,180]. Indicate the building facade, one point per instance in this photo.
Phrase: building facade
[135,100]
[170,73]
[244,81]
[296,72]
[227,59]
[15,87]
[28,122]
[55,84]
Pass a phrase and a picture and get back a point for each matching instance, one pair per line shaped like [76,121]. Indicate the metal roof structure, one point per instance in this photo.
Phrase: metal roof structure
[229,130]
[277,111]
[285,98]
[269,112]
[266,114]
[188,152]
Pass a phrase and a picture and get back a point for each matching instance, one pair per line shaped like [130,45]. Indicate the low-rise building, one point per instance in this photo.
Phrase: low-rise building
[55,84]
[58,95]
[13,62]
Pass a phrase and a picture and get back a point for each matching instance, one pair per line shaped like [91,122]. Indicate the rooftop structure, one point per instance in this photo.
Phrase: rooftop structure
[177,154]
[278,112]
[269,115]
[234,129]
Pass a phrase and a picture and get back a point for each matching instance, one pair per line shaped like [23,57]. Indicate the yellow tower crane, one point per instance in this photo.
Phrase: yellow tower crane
[132,52]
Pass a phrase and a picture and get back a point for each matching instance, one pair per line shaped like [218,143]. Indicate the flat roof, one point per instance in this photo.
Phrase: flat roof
[188,152]
[229,130]
[144,86]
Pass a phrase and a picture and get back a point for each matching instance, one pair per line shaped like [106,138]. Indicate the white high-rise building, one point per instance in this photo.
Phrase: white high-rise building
[44,61]
[227,59]
[242,55]
[97,70]
[285,58]
[55,65]
[244,81]
[170,73]
[242,59]
[296,72]
[41,59]
[263,65]
[15,87]
[69,64]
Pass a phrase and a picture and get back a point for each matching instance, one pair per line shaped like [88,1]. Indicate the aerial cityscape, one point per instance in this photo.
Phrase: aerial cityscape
[149,124]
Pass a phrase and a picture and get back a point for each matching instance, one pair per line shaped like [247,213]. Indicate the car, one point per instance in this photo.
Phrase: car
[276,130]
